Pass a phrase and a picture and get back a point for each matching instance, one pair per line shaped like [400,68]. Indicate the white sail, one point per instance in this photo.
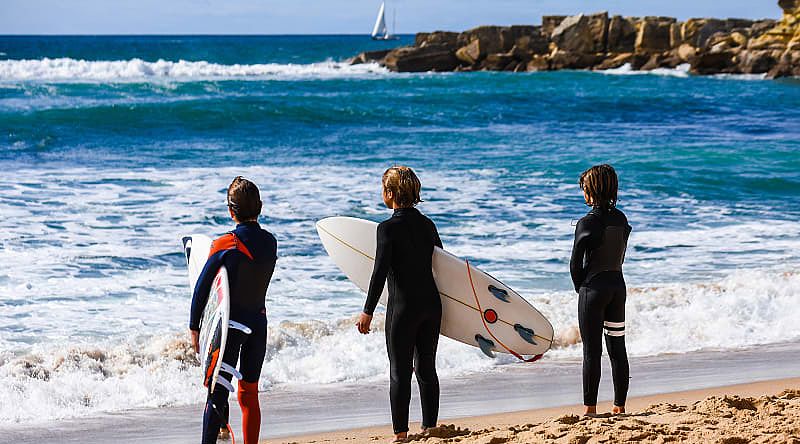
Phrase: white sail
[380,29]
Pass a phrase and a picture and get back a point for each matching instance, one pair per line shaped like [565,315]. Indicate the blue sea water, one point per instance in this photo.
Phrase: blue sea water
[115,147]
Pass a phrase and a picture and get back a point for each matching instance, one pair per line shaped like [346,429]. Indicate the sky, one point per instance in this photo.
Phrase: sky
[329,16]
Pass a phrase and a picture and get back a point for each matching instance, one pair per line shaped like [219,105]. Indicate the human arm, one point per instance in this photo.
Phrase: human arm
[437,241]
[579,248]
[380,270]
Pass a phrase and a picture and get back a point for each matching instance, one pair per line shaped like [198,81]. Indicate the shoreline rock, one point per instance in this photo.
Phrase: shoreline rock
[599,41]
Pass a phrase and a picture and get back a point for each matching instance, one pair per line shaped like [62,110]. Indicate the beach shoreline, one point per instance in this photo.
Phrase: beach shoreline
[521,419]
[549,387]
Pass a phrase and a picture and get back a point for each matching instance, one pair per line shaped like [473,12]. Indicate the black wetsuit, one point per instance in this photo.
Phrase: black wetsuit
[601,238]
[413,312]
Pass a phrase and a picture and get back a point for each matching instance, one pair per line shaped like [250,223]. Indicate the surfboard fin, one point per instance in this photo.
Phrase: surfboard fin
[231,370]
[187,247]
[526,333]
[499,293]
[485,345]
[241,327]
[225,383]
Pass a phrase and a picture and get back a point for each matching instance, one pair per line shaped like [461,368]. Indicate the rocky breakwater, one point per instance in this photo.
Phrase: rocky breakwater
[599,42]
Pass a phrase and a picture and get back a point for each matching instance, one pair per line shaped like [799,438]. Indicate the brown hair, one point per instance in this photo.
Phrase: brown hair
[403,184]
[600,183]
[244,199]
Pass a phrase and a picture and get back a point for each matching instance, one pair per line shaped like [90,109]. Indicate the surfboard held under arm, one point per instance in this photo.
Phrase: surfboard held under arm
[474,304]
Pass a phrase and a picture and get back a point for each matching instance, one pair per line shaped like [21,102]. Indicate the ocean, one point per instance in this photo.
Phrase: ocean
[115,147]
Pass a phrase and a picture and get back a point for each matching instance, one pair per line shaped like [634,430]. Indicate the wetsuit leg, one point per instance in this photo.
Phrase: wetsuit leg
[591,309]
[254,349]
[425,368]
[614,325]
[400,338]
[215,415]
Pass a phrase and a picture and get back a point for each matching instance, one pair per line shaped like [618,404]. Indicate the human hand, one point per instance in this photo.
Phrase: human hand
[363,323]
[194,338]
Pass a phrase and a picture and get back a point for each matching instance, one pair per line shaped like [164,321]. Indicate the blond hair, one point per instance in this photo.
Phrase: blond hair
[403,184]
[600,183]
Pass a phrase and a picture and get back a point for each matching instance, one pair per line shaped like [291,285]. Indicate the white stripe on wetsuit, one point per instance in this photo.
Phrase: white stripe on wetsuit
[614,328]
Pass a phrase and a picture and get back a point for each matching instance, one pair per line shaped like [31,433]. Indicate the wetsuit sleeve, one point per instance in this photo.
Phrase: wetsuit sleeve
[576,268]
[202,288]
[383,257]
[437,241]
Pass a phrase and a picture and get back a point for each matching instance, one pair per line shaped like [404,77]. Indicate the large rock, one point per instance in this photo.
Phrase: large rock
[429,58]
[686,52]
[471,53]
[490,39]
[598,26]
[535,44]
[539,63]
[369,57]
[570,60]
[788,66]
[621,34]
[445,38]
[615,62]
[675,37]
[574,35]
[499,62]
[716,63]
[550,23]
[757,61]
[582,33]
[668,59]
[654,34]
[697,31]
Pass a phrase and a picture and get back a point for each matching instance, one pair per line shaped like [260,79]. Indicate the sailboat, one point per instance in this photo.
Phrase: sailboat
[381,31]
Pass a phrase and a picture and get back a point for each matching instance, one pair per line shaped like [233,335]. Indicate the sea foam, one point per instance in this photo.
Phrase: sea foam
[67,69]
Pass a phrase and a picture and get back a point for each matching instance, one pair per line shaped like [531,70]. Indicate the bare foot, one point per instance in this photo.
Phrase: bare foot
[617,410]
[400,437]
[590,410]
[224,435]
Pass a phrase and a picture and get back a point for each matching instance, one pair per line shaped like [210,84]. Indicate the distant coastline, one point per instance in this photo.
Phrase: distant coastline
[600,42]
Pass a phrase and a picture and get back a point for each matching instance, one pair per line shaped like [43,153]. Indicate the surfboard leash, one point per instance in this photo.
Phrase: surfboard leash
[480,309]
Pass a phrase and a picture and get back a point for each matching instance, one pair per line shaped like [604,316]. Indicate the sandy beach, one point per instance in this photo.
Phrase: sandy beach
[760,412]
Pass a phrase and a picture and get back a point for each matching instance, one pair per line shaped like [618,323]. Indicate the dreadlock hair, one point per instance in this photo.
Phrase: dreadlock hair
[244,199]
[403,184]
[600,183]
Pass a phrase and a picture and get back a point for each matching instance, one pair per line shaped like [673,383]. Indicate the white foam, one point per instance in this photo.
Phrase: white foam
[627,69]
[67,69]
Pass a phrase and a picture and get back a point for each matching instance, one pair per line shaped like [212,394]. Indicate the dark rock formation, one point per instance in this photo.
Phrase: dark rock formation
[595,41]
[654,35]
[369,57]
[550,23]
[428,58]
[621,34]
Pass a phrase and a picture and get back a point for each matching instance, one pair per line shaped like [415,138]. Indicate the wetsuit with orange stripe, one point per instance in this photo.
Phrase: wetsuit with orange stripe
[249,254]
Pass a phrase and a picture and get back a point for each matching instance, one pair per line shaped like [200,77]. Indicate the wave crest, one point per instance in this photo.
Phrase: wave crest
[67,69]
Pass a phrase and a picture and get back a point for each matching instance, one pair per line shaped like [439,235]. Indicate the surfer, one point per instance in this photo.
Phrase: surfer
[601,238]
[249,254]
[414,310]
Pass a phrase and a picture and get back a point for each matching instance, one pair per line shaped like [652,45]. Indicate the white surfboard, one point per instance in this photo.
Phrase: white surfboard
[477,309]
[216,315]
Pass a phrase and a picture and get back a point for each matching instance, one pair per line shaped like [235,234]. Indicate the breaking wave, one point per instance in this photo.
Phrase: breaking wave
[745,309]
[67,69]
